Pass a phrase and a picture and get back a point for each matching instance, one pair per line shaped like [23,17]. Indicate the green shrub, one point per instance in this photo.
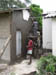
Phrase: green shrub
[47,64]
[12,73]
[36,11]
[50,68]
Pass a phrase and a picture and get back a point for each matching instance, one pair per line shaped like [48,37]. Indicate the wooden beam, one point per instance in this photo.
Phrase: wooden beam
[5,46]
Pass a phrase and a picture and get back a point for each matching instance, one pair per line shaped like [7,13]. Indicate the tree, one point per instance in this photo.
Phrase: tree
[36,12]
[5,4]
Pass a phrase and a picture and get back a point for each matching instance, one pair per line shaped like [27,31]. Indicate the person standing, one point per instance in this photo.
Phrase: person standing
[30,49]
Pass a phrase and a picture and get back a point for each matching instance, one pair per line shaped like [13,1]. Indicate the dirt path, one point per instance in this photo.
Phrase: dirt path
[20,68]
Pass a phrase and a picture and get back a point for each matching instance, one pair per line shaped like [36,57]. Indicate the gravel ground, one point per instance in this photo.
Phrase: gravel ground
[18,68]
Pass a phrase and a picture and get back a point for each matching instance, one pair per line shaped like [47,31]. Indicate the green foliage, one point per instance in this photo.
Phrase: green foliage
[50,68]
[6,4]
[12,73]
[37,12]
[28,1]
[47,64]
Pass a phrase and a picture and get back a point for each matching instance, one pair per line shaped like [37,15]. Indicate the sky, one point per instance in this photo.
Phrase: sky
[46,5]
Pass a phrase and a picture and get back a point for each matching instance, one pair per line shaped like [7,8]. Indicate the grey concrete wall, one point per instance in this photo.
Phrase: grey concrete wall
[19,24]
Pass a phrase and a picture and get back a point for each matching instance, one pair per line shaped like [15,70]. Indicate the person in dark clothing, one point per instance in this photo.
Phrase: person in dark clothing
[35,27]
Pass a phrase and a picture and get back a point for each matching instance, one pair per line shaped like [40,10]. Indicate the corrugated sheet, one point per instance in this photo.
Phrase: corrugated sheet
[50,15]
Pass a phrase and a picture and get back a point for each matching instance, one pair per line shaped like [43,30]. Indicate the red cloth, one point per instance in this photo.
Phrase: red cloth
[30,45]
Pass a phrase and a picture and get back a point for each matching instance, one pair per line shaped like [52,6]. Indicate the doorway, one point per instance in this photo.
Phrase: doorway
[18,43]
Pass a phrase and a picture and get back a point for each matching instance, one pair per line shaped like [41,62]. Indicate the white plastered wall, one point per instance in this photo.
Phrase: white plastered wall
[47,33]
[54,36]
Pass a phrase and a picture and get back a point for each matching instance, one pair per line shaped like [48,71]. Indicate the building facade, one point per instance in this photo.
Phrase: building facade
[49,32]
[12,23]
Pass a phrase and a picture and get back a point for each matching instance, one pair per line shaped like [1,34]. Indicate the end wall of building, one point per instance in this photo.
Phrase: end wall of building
[47,33]
[18,23]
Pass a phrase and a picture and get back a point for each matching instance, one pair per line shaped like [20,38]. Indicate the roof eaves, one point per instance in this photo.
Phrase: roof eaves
[5,11]
[51,16]
[15,9]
